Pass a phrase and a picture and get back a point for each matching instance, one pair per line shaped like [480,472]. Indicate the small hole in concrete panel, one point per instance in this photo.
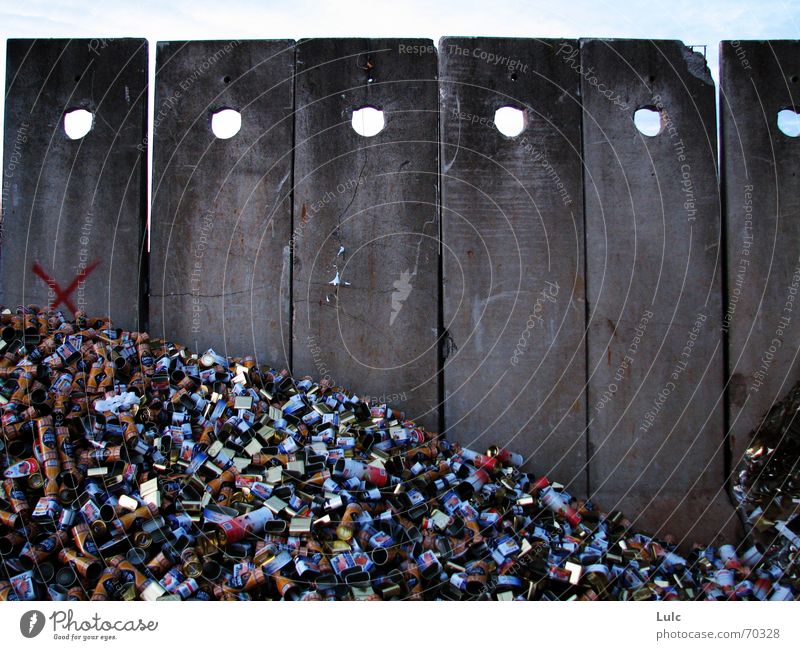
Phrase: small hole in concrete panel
[226,79]
[648,121]
[794,78]
[368,121]
[513,76]
[652,78]
[78,123]
[226,123]
[789,122]
[509,121]
[77,78]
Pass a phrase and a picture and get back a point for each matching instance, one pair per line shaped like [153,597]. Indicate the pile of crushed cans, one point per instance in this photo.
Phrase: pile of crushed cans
[135,469]
[768,486]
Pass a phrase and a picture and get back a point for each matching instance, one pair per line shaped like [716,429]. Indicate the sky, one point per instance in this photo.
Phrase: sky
[700,22]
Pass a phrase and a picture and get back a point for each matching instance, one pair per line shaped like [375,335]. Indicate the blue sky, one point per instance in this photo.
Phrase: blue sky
[700,21]
[695,22]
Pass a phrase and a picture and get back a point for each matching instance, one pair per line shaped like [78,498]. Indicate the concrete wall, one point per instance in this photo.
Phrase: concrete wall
[576,292]
[653,233]
[761,192]
[74,210]
[512,217]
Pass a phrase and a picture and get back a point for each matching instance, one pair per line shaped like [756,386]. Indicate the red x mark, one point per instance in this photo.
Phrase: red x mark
[62,295]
